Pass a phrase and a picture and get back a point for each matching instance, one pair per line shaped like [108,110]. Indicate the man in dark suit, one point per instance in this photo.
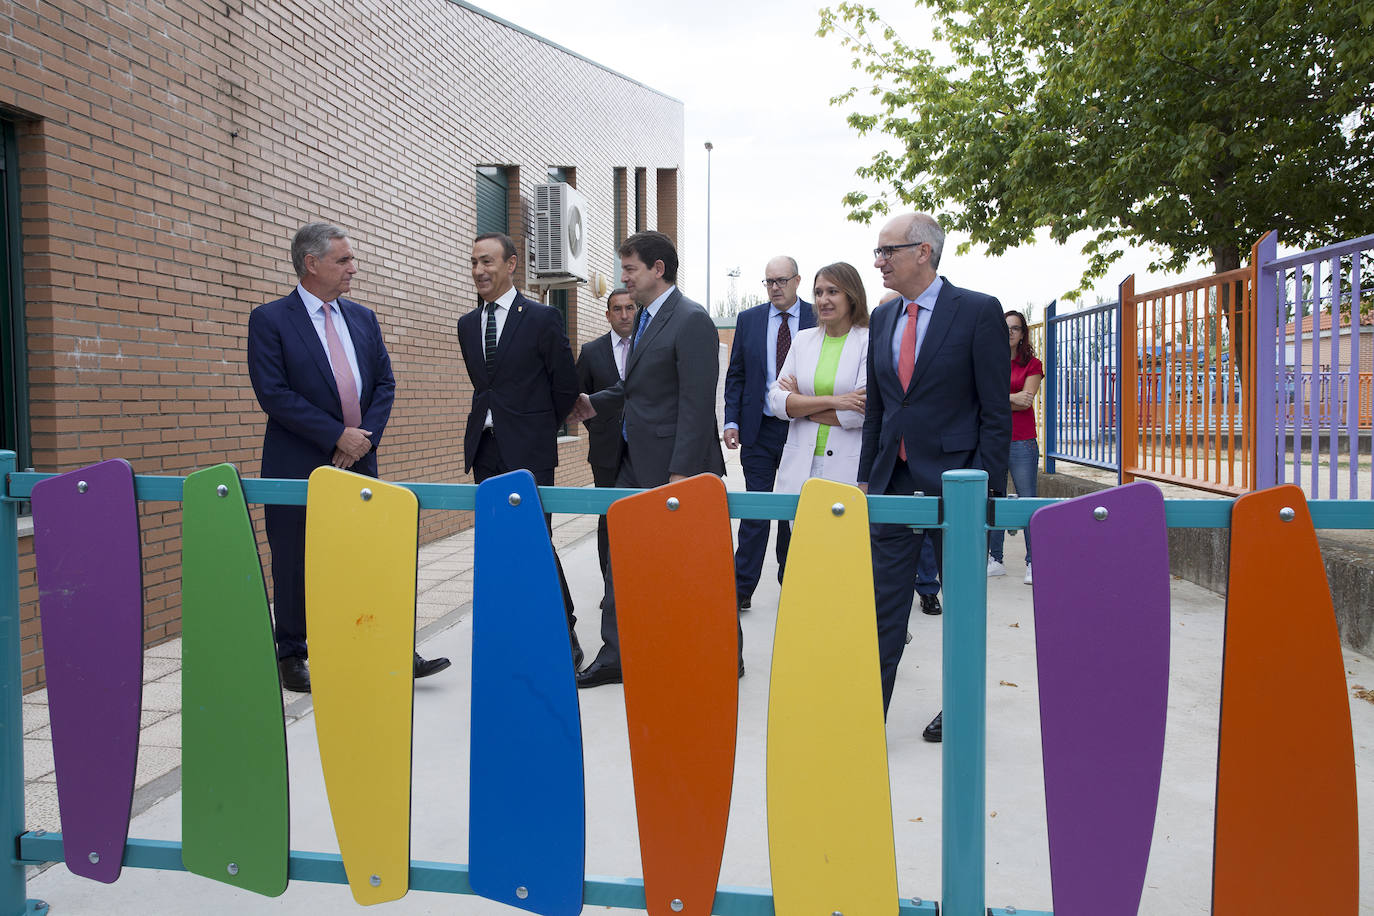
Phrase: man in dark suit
[763,337]
[320,370]
[670,383]
[938,377]
[524,381]
[600,365]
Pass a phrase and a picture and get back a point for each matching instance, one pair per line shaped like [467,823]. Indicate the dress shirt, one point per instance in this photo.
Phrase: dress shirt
[314,305]
[620,349]
[792,315]
[503,304]
[926,302]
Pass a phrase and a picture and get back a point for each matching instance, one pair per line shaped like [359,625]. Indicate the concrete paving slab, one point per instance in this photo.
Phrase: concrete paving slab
[35,715]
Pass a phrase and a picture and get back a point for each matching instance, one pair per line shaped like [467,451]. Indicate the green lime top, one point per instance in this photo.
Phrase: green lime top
[826,368]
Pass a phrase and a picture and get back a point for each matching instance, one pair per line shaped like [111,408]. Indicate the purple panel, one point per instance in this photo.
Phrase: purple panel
[1102,650]
[90,597]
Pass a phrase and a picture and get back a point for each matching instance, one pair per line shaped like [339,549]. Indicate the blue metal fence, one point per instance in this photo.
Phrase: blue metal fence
[1082,387]
[1314,338]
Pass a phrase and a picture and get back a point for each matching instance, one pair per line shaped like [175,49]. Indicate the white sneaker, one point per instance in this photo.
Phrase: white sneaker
[1027,578]
[995,568]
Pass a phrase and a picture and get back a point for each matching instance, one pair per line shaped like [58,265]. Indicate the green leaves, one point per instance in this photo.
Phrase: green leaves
[1189,128]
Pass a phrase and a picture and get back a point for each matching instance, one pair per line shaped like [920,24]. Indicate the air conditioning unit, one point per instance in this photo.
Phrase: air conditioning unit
[560,232]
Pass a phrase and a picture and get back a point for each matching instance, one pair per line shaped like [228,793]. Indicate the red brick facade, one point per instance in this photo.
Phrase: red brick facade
[167,153]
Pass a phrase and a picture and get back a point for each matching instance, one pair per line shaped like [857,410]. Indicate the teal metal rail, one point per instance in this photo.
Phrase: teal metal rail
[965,514]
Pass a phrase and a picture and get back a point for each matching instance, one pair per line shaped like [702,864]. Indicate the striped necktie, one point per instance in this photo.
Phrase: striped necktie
[490,342]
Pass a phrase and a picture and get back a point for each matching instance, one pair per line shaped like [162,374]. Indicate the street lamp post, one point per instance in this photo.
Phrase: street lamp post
[709,147]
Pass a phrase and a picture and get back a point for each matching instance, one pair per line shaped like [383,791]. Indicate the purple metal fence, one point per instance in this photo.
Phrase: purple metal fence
[1316,311]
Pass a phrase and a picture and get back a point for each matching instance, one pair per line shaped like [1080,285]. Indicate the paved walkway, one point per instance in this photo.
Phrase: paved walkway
[1178,880]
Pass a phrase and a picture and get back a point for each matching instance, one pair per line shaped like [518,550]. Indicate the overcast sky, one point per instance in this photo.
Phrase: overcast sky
[756,82]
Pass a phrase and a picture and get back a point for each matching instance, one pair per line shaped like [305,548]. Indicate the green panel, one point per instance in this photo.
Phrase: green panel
[492,198]
[235,818]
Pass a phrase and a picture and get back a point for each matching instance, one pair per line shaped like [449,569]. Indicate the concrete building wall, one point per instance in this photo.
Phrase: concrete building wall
[167,153]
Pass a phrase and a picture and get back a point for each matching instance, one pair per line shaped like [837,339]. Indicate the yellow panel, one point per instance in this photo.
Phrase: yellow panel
[830,843]
[360,616]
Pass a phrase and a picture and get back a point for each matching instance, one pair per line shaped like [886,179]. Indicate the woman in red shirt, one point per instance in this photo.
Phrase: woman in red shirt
[1024,464]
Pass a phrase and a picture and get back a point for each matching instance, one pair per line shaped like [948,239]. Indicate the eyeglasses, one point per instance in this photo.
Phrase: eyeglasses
[884,252]
[1013,329]
[779,281]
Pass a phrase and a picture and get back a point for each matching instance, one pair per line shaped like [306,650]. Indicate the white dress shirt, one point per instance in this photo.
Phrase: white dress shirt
[926,302]
[314,305]
[503,304]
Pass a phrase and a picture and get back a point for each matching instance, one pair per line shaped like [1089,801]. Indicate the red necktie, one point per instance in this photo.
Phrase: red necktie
[784,341]
[906,357]
[343,373]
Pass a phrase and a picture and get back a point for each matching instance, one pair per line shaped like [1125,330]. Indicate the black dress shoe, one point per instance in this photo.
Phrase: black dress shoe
[744,604]
[930,604]
[598,673]
[424,667]
[935,731]
[295,676]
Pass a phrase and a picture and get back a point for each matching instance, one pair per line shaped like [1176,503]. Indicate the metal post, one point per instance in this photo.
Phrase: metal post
[1126,356]
[1269,432]
[710,309]
[1051,385]
[12,890]
[964,780]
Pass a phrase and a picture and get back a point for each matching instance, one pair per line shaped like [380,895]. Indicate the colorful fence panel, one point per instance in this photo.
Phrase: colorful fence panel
[1188,357]
[1082,396]
[963,514]
[1315,314]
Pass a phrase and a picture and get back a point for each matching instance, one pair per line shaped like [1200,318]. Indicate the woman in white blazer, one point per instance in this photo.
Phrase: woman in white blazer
[821,385]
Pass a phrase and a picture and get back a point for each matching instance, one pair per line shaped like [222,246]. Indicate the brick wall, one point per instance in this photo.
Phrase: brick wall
[169,151]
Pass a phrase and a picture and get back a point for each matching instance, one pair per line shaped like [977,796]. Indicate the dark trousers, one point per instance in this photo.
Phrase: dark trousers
[927,571]
[609,653]
[759,461]
[286,537]
[603,477]
[896,552]
[486,464]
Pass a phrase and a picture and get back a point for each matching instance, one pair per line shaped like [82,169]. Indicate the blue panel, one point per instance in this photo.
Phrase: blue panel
[527,834]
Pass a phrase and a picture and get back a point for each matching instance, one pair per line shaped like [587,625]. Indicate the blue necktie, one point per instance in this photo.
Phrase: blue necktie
[643,323]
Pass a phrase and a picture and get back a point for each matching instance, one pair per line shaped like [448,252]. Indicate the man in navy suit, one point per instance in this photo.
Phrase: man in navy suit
[524,381]
[938,377]
[763,337]
[321,373]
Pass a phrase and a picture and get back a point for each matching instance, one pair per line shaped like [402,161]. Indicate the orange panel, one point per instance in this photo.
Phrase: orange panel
[1286,832]
[673,558]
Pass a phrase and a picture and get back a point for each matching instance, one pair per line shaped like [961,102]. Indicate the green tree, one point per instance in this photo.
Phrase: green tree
[1191,128]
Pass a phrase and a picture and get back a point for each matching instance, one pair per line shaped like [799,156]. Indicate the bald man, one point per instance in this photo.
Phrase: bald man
[763,336]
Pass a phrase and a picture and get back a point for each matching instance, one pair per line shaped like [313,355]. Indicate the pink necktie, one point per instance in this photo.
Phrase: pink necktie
[343,373]
[906,356]
[621,346]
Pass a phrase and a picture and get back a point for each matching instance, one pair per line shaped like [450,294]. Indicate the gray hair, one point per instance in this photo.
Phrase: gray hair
[925,228]
[312,238]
